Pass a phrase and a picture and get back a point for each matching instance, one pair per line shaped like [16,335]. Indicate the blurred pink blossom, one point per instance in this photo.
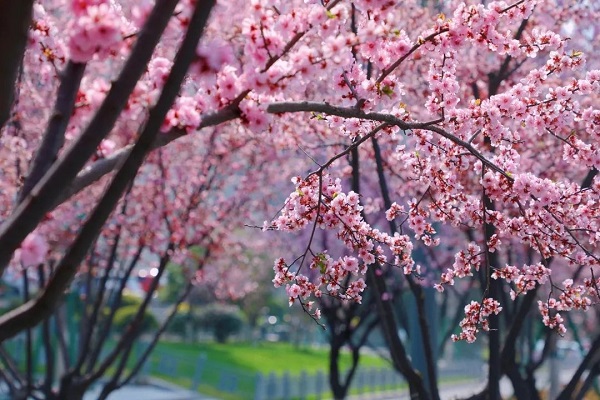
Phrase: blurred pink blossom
[33,250]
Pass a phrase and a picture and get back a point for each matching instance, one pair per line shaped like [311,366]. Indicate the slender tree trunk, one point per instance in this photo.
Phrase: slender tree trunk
[553,369]
[523,390]
[495,371]
[106,390]
[493,291]
[338,390]
[386,313]
[71,389]
[589,382]
[590,359]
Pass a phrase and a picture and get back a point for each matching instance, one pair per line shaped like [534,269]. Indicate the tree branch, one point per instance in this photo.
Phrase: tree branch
[104,330]
[15,18]
[47,343]
[415,47]
[98,169]
[54,137]
[102,167]
[41,198]
[144,357]
[415,288]
[591,358]
[124,346]
[344,112]
[91,320]
[34,311]
[347,112]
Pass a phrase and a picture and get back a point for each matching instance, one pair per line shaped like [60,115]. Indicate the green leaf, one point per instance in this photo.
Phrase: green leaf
[388,91]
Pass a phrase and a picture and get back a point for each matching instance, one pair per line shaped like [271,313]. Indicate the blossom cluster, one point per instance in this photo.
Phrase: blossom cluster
[33,250]
[95,31]
[448,197]
[572,297]
[464,263]
[319,200]
[552,320]
[476,317]
[515,120]
[524,279]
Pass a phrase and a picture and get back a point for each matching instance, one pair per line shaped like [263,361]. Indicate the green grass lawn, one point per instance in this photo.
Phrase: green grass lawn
[264,357]
[177,362]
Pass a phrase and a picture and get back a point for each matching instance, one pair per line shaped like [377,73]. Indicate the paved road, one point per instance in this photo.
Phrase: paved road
[449,391]
[154,390]
[461,390]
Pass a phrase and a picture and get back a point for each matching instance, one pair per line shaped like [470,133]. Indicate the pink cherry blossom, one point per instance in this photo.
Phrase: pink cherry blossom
[96,32]
[33,250]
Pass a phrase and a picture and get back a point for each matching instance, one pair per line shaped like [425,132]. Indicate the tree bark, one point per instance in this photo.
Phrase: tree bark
[15,19]
[54,137]
[38,202]
[337,389]
[592,357]
[36,310]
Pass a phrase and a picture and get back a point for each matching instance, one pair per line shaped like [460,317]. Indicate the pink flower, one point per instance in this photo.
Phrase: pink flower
[158,70]
[394,211]
[350,264]
[80,7]
[183,115]
[254,116]
[33,250]
[97,31]
[212,56]
[294,290]
[227,83]
[107,147]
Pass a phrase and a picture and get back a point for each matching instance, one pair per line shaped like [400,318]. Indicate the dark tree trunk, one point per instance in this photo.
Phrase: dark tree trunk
[524,388]
[15,18]
[590,359]
[71,388]
[337,388]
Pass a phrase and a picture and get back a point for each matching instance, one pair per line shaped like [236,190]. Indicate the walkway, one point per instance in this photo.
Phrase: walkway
[155,390]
